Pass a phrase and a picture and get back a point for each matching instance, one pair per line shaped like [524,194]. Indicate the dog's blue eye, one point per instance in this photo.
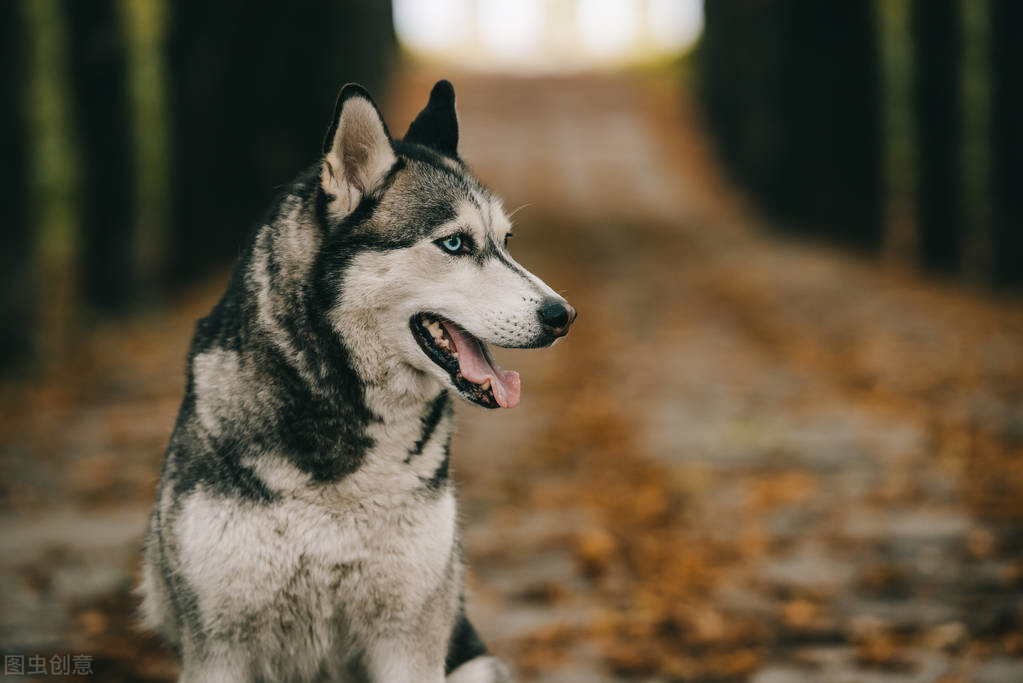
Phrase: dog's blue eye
[452,244]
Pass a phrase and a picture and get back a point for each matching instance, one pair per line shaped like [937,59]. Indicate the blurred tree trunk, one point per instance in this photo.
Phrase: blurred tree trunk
[793,99]
[145,26]
[17,286]
[900,239]
[252,90]
[938,37]
[99,88]
[976,77]
[832,159]
[1007,140]
[740,88]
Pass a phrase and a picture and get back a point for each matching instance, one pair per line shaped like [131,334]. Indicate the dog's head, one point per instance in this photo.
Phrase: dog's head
[420,251]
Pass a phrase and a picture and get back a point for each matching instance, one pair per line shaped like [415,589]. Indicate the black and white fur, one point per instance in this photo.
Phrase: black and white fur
[305,523]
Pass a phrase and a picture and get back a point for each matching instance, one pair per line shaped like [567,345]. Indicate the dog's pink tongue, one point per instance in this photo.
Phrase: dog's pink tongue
[477,368]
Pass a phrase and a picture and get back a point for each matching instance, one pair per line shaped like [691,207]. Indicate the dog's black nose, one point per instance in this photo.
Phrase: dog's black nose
[557,316]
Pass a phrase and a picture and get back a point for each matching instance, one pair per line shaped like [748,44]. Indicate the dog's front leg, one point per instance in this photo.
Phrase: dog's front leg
[482,669]
[219,666]
[402,661]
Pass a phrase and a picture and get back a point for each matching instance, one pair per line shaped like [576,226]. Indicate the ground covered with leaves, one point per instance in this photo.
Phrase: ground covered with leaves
[752,459]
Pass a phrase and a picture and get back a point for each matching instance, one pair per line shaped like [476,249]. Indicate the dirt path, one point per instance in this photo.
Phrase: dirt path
[751,459]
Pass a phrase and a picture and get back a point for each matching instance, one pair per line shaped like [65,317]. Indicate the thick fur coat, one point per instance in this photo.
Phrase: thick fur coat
[305,524]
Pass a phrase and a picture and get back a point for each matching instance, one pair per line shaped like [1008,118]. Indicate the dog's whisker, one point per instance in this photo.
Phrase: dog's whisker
[512,214]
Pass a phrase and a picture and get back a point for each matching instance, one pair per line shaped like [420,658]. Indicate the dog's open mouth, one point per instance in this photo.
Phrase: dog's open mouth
[467,360]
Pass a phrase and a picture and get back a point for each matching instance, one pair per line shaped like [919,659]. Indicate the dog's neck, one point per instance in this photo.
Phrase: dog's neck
[383,399]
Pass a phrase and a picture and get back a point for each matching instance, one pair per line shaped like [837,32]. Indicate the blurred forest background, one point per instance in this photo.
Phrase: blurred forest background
[134,132]
[142,140]
[783,443]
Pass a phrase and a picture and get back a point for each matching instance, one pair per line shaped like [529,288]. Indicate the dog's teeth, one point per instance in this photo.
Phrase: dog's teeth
[454,354]
[486,384]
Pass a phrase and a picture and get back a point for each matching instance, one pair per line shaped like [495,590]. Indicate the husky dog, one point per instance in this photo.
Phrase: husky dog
[305,524]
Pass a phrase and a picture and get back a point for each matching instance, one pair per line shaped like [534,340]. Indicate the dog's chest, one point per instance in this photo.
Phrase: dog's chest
[324,568]
[327,573]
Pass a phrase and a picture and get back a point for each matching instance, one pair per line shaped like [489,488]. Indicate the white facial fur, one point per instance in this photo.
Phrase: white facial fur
[496,301]
[489,295]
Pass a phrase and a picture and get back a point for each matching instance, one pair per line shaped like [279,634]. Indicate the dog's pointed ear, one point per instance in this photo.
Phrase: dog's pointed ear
[437,125]
[357,151]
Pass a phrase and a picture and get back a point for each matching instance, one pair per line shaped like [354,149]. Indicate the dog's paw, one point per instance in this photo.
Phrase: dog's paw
[485,669]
